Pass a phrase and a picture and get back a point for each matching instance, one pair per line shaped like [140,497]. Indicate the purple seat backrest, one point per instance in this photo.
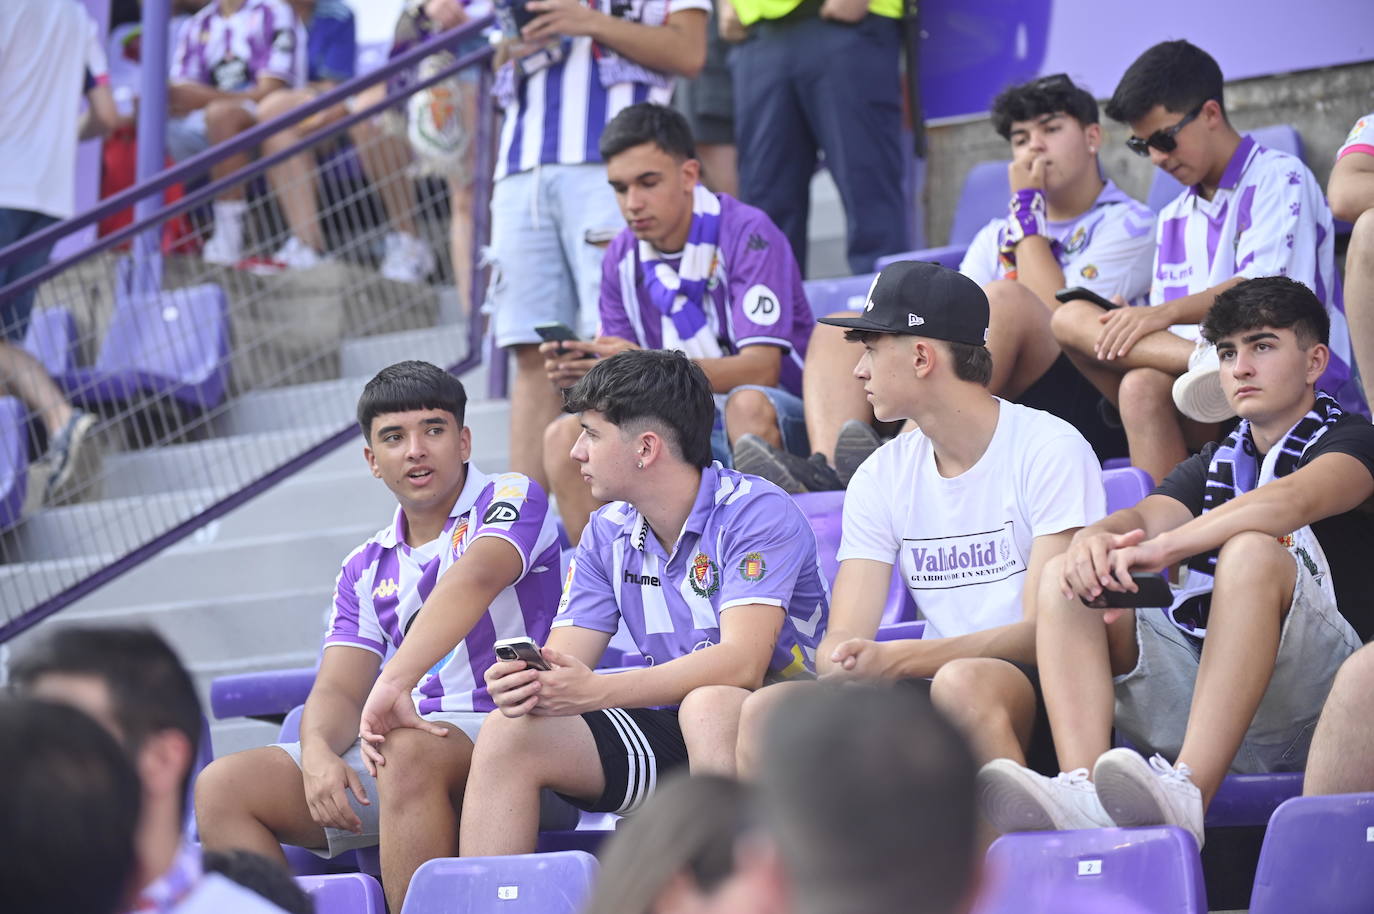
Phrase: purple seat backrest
[51,339]
[291,726]
[1318,857]
[847,293]
[175,341]
[1157,869]
[344,893]
[260,694]
[1250,799]
[556,883]
[825,512]
[1282,137]
[985,194]
[14,461]
[1125,486]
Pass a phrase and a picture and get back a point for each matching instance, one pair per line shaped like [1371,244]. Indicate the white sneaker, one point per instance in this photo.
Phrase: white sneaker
[1136,793]
[1014,798]
[225,246]
[408,259]
[1197,392]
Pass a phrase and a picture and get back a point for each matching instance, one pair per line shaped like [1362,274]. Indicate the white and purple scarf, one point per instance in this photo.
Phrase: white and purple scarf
[679,294]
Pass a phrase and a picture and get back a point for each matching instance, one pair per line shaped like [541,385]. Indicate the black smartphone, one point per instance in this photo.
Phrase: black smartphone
[1153,592]
[555,332]
[1068,295]
[521,649]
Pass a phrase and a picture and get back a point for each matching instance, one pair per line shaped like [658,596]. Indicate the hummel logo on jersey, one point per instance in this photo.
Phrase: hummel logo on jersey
[914,320]
[387,588]
[757,242]
[641,579]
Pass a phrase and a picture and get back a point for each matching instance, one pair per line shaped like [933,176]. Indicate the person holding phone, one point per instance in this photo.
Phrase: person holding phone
[1272,536]
[694,271]
[712,572]
[384,749]
[1245,211]
[1065,225]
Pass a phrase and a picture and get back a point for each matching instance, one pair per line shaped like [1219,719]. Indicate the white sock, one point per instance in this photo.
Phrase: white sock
[229,215]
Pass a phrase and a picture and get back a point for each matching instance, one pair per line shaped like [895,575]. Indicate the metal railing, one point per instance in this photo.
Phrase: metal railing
[211,383]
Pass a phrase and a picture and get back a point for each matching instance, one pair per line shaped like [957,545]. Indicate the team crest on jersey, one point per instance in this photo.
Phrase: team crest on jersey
[1077,241]
[1286,541]
[459,532]
[704,576]
[1088,272]
[752,567]
[388,588]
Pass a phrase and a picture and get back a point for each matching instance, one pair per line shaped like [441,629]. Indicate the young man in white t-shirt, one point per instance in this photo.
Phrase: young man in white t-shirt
[1247,211]
[1065,226]
[970,506]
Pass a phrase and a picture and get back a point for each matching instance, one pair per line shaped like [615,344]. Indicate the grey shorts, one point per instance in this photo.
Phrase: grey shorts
[1152,700]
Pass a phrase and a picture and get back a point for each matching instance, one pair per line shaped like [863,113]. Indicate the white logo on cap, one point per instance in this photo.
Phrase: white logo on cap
[986,331]
[871,286]
[913,320]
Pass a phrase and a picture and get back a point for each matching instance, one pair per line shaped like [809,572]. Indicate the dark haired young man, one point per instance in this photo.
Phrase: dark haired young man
[131,682]
[1247,211]
[714,574]
[693,271]
[1066,226]
[383,757]
[970,506]
[1274,536]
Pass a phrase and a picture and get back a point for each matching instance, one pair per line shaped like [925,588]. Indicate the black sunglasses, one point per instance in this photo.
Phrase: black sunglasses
[1163,139]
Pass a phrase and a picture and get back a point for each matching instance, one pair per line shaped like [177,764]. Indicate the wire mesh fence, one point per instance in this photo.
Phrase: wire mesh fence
[182,380]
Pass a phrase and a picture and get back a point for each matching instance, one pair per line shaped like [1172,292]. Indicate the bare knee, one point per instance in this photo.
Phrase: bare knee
[714,705]
[225,118]
[977,690]
[560,436]
[754,714]
[1075,326]
[1355,679]
[233,787]
[1252,559]
[1146,391]
[749,412]
[418,764]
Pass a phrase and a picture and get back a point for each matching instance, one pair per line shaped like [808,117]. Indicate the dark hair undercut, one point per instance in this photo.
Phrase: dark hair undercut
[647,122]
[408,386]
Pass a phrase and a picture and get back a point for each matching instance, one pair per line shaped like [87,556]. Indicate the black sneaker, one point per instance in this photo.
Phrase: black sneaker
[62,451]
[855,442]
[789,472]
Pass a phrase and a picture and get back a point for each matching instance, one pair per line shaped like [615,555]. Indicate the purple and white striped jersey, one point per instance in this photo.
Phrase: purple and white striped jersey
[1109,248]
[745,542]
[1268,218]
[754,295]
[229,53]
[558,112]
[384,582]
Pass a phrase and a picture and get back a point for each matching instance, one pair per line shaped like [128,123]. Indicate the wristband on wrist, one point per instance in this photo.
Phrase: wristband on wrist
[1025,214]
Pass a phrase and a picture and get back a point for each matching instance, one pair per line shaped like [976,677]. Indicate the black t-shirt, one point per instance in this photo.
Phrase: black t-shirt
[1347,539]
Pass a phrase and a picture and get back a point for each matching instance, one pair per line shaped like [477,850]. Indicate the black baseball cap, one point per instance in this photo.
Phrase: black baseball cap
[922,299]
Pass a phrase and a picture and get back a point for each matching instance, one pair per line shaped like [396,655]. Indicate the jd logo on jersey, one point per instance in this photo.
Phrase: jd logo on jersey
[501,512]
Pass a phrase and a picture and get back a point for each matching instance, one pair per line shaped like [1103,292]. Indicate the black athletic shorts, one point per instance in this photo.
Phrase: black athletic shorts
[638,747]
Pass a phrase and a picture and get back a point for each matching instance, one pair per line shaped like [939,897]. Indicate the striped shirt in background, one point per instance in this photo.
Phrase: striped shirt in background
[230,53]
[384,582]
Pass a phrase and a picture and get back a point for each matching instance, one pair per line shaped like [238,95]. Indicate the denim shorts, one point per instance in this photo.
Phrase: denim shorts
[1152,700]
[15,225]
[791,418]
[549,229]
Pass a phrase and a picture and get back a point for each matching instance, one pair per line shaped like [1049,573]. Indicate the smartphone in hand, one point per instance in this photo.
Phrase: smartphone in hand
[1153,592]
[1068,295]
[521,649]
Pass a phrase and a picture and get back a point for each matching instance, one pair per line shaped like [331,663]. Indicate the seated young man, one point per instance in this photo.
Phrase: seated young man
[1351,192]
[970,506]
[1272,529]
[1247,211]
[693,271]
[1067,226]
[230,56]
[481,553]
[714,574]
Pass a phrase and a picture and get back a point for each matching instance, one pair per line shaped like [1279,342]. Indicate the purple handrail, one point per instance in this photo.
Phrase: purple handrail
[198,163]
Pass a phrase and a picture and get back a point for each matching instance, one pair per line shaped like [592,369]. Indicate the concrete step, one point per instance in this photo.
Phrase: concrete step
[443,345]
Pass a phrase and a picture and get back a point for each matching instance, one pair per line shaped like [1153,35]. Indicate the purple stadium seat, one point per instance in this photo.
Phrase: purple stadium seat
[1125,486]
[344,893]
[1318,857]
[14,461]
[826,296]
[983,197]
[914,630]
[1250,799]
[51,339]
[1280,136]
[825,511]
[290,731]
[1146,869]
[592,828]
[265,694]
[525,884]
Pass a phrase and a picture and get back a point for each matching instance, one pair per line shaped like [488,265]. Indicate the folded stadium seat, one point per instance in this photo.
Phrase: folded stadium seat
[524,884]
[1250,799]
[1117,870]
[1125,486]
[846,293]
[344,893]
[14,461]
[1318,857]
[51,339]
[1283,137]
[983,197]
[592,828]
[267,695]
